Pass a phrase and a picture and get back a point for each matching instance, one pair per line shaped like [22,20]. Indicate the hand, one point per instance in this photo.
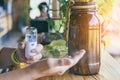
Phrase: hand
[52,66]
[44,67]
[21,53]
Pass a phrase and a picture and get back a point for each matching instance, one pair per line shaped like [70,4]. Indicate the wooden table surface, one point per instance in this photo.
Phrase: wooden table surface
[109,70]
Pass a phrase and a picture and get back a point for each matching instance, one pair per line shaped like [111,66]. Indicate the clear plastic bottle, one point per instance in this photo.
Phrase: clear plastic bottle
[84,33]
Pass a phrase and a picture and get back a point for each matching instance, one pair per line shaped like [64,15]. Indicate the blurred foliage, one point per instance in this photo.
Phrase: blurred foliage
[51,22]
[57,48]
[24,17]
[65,15]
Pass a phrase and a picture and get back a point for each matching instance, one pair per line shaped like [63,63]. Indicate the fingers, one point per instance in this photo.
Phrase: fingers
[20,51]
[37,57]
[37,52]
[68,61]
[38,49]
[58,66]
[61,72]
[77,56]
[61,65]
[21,45]
[29,60]
[63,62]
[33,59]
[21,48]
[59,62]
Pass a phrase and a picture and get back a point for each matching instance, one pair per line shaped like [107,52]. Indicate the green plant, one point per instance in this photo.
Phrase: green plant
[57,48]
[65,15]
[24,17]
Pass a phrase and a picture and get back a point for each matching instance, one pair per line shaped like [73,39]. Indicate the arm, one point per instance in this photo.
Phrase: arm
[20,74]
[6,53]
[44,67]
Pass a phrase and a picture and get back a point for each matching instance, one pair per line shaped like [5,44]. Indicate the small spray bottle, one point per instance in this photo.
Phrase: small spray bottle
[31,41]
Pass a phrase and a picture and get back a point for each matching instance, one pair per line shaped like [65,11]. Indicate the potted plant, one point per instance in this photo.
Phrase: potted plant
[64,14]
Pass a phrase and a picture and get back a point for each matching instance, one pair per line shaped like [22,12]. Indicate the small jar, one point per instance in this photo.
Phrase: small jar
[84,33]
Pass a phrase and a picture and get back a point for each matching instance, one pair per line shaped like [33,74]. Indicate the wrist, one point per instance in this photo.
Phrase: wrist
[32,73]
[39,69]
[14,58]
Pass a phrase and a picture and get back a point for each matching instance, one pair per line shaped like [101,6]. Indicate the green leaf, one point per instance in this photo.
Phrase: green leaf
[61,1]
[55,53]
[49,48]
[51,22]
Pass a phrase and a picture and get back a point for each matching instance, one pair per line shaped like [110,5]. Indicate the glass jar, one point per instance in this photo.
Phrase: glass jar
[84,33]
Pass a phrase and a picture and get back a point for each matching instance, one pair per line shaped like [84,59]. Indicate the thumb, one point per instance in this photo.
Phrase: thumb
[77,56]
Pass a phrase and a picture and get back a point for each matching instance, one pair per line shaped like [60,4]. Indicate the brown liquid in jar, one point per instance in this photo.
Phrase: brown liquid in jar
[84,33]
